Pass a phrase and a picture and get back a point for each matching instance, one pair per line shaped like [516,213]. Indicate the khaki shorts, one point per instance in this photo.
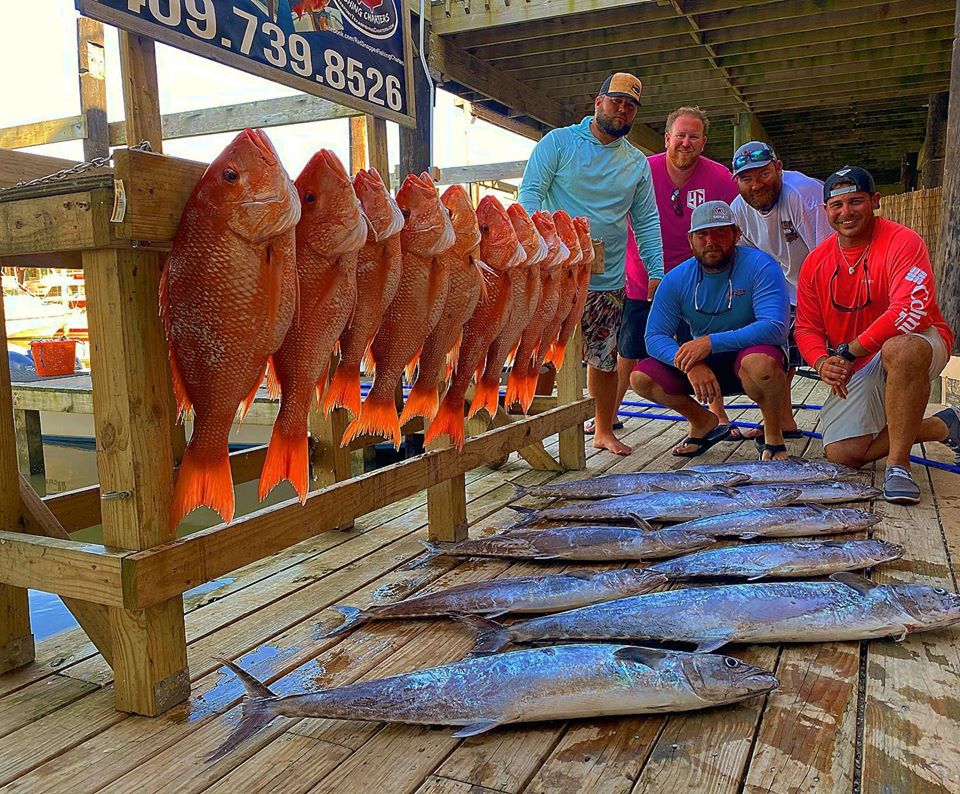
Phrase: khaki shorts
[862,412]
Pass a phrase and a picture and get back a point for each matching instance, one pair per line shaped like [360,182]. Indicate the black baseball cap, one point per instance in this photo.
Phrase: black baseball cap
[849,179]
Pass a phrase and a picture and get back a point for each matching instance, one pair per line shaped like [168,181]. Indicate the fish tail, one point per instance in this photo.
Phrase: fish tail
[353,618]
[521,490]
[273,380]
[558,352]
[422,401]
[344,390]
[201,482]
[287,459]
[448,421]
[258,711]
[526,512]
[529,389]
[514,388]
[492,637]
[378,416]
[433,550]
[485,396]
[247,401]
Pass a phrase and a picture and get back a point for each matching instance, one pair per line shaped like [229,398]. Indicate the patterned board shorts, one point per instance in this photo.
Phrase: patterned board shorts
[601,326]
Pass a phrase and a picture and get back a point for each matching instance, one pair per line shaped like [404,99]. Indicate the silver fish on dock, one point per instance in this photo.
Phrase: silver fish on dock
[791,559]
[638,482]
[824,493]
[519,594]
[792,470]
[577,544]
[848,607]
[796,521]
[662,506]
[478,695]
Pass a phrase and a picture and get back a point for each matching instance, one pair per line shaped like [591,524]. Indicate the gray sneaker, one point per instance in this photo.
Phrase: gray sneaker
[899,487]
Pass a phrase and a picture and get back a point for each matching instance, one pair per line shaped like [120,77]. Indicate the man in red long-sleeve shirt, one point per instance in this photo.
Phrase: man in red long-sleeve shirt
[869,323]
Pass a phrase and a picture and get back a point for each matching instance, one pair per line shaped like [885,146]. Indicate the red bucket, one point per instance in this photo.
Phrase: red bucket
[54,356]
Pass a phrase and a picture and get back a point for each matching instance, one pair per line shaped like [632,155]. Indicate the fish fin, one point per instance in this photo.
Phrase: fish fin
[273,381]
[747,535]
[179,387]
[287,459]
[258,712]
[491,636]
[583,575]
[710,645]
[433,550]
[814,506]
[202,483]
[650,657]
[558,353]
[369,362]
[495,613]
[273,291]
[448,421]
[641,522]
[728,491]
[528,514]
[353,618]
[755,577]
[854,581]
[248,400]
[410,370]
[423,400]
[478,727]
[514,384]
[454,355]
[521,490]
[797,459]
[344,390]
[378,417]
[485,396]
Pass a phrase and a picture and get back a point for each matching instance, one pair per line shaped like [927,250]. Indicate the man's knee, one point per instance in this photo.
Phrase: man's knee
[843,455]
[903,354]
[759,367]
[642,383]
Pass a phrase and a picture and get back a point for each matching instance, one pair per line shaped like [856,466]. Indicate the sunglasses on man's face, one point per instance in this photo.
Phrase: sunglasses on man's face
[753,156]
[675,202]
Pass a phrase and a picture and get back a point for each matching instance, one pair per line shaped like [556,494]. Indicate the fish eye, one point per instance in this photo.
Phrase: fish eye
[230,175]
[484,228]
[405,212]
[730,662]
[310,198]
[939,591]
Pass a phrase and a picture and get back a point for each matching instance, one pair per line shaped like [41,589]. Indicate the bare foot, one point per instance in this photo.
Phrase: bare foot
[611,443]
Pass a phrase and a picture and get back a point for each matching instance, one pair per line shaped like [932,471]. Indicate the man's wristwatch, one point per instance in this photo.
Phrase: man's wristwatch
[844,352]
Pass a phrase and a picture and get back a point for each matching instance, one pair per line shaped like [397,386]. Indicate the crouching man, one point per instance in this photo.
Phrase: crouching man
[735,301]
[868,322]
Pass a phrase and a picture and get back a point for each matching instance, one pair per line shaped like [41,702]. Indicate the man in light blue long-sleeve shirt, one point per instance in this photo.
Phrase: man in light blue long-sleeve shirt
[735,301]
[589,169]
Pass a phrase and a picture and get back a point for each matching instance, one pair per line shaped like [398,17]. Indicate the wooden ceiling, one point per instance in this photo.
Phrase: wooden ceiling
[825,81]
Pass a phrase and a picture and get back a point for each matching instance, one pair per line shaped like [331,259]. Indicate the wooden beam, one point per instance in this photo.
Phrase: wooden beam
[685,57]
[527,129]
[164,572]
[935,142]
[40,133]
[864,60]
[82,222]
[141,94]
[648,140]
[377,149]
[457,17]
[948,249]
[456,65]
[844,95]
[358,144]
[29,442]
[22,166]
[93,88]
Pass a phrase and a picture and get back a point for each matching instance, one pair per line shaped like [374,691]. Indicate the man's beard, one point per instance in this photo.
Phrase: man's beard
[723,264]
[611,126]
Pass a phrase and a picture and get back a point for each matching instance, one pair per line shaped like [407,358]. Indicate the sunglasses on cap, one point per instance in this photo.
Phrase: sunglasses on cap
[753,156]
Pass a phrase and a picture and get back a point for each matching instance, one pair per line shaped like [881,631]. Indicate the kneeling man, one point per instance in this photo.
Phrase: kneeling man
[736,303]
[868,322]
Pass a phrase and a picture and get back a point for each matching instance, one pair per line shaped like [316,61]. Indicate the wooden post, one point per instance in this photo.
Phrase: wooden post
[134,418]
[93,91]
[742,130]
[16,638]
[908,172]
[570,385]
[415,143]
[447,507]
[935,142]
[948,248]
[358,143]
[29,442]
[377,155]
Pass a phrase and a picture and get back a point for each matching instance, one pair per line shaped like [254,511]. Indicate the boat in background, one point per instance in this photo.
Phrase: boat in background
[27,316]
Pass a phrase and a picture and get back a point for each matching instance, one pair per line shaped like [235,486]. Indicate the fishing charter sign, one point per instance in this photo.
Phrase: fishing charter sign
[353,52]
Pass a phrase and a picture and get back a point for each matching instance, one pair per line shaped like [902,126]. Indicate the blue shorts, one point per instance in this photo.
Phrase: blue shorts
[633,326]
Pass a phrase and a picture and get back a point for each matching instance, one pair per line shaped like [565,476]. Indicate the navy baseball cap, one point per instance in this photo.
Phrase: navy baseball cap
[849,179]
[753,154]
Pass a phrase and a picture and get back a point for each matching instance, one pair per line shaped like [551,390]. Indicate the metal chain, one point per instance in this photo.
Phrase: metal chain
[79,168]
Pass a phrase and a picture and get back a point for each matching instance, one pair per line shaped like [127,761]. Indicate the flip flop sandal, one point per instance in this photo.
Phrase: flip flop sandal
[590,428]
[719,433]
[951,418]
[788,435]
[736,434]
[773,449]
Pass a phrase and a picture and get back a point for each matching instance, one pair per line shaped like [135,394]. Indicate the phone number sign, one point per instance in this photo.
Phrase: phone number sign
[353,52]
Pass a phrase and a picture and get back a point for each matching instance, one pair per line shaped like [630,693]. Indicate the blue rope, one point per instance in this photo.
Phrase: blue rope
[932,464]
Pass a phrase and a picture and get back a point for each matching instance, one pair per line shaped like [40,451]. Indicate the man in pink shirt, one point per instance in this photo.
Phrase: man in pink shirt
[683,179]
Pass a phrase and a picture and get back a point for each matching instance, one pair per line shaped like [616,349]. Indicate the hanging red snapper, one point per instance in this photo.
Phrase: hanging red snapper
[466,284]
[331,231]
[501,251]
[569,272]
[379,267]
[522,383]
[227,297]
[415,309]
[569,325]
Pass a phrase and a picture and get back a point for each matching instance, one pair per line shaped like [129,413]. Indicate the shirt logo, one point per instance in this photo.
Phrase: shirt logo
[916,275]
[695,198]
[790,232]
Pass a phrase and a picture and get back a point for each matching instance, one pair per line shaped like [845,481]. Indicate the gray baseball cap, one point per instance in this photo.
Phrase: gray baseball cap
[711,214]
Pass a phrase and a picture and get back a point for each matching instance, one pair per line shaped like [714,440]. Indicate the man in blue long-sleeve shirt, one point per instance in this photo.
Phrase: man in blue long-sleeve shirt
[736,302]
[590,169]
